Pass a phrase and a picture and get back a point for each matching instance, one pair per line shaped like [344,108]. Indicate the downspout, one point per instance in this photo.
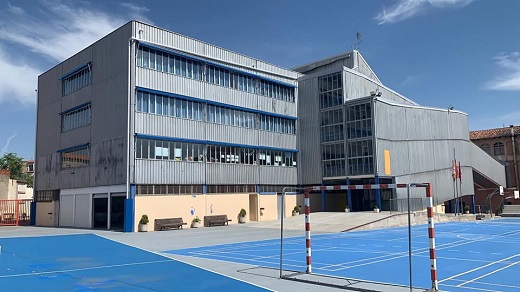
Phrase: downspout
[514,155]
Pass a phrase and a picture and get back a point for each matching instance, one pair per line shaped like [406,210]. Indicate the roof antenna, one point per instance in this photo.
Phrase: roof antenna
[358,38]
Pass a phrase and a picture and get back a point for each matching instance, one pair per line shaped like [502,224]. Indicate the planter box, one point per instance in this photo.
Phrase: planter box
[241,219]
[143,227]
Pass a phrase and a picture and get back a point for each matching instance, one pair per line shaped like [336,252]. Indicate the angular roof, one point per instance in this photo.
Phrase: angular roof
[493,133]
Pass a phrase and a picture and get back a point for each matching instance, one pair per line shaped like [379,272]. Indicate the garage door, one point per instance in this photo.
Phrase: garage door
[75,210]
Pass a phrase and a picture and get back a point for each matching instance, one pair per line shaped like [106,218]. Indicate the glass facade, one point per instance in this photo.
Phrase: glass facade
[360,150]
[198,152]
[193,68]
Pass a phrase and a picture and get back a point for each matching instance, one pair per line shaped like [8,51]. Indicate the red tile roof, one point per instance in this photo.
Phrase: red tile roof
[493,133]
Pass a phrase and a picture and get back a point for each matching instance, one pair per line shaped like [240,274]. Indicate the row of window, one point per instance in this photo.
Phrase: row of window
[332,151]
[77,118]
[181,108]
[168,106]
[331,117]
[182,151]
[333,168]
[186,67]
[199,189]
[76,81]
[332,133]
[498,148]
[77,157]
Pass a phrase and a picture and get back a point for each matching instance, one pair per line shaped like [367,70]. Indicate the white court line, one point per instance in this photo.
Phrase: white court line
[85,269]
[489,284]
[475,269]
[186,263]
[472,288]
[490,273]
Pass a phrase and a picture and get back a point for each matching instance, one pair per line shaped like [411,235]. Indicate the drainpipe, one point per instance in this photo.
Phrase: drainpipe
[514,155]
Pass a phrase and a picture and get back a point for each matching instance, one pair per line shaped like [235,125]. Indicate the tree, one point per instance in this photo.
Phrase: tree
[15,165]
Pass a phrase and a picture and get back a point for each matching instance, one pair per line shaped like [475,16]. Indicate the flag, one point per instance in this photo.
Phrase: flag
[455,174]
[460,173]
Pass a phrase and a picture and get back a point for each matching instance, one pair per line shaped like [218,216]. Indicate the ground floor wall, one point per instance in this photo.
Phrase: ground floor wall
[45,213]
[259,207]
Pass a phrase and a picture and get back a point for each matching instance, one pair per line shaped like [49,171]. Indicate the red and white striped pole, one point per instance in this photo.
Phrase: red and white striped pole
[431,236]
[306,202]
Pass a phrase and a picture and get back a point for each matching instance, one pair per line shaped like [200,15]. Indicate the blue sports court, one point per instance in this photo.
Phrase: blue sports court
[471,256]
[88,262]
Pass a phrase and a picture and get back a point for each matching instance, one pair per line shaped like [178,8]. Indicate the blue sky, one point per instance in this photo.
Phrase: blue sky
[463,53]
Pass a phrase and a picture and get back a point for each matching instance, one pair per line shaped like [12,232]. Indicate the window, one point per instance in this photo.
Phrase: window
[192,68]
[330,90]
[76,80]
[76,118]
[498,148]
[181,151]
[168,106]
[77,157]
[486,148]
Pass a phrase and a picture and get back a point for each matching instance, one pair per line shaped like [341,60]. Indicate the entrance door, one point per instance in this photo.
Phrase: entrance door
[117,211]
[253,207]
[100,211]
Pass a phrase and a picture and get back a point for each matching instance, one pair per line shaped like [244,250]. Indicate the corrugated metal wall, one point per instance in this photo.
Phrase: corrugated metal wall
[108,96]
[309,169]
[162,172]
[421,142]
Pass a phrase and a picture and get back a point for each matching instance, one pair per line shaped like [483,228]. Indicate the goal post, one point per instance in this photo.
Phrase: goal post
[430,213]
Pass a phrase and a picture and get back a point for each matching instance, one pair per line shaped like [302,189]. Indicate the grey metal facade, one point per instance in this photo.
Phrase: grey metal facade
[420,140]
[110,136]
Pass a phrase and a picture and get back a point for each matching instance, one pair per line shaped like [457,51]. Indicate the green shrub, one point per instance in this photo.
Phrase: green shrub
[242,213]
[466,208]
[196,219]
[144,219]
[297,209]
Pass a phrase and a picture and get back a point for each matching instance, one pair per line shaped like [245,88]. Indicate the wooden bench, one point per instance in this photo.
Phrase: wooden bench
[168,223]
[216,220]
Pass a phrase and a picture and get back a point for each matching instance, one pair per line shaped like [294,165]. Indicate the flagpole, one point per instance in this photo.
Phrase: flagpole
[453,175]
[460,185]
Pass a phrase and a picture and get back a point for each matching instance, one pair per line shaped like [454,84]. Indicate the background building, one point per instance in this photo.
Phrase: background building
[501,144]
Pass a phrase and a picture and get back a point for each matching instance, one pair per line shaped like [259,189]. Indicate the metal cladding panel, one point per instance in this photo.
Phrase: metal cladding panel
[108,162]
[170,83]
[230,96]
[278,175]
[75,137]
[442,184]
[356,86]
[399,157]
[47,169]
[231,134]
[277,106]
[308,128]
[390,121]
[165,126]
[156,35]
[73,178]
[168,172]
[487,165]
[277,140]
[440,120]
[223,174]
[420,156]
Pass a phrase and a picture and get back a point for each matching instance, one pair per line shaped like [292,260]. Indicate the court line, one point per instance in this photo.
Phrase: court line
[478,268]
[84,269]
[472,288]
[489,284]
[186,263]
[490,273]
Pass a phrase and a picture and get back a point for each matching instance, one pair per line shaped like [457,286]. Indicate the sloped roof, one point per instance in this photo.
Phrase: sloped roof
[493,133]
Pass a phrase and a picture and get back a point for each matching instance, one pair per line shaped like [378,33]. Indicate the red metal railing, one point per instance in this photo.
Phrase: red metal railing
[15,212]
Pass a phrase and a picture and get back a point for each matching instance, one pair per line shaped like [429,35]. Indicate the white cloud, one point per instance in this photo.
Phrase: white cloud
[405,9]
[52,30]
[18,82]
[7,143]
[510,76]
